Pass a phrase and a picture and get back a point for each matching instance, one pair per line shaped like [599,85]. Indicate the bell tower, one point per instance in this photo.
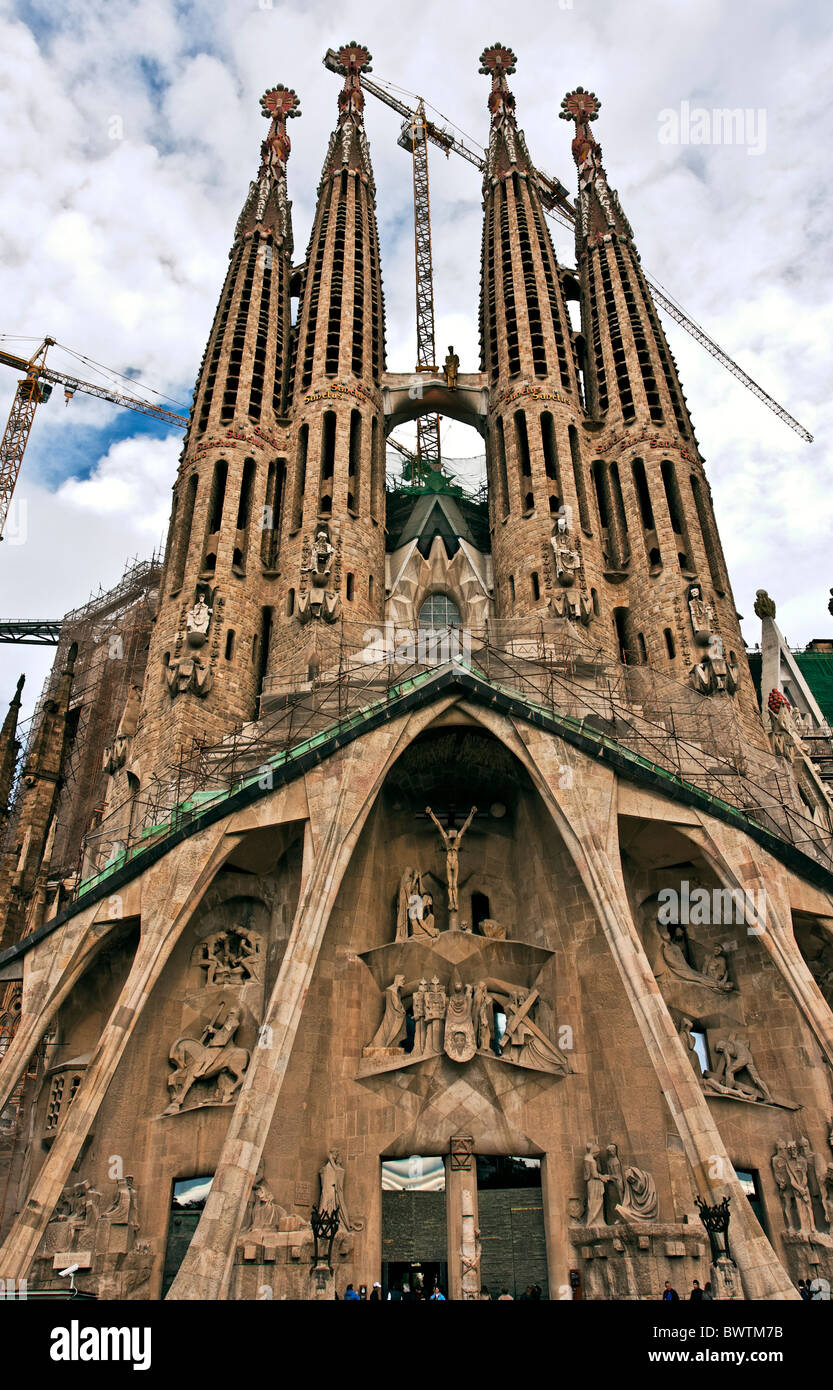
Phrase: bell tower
[207,654]
[544,546]
[667,593]
[332,539]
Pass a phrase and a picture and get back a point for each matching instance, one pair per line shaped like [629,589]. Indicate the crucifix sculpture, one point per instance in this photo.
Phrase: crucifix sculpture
[451,840]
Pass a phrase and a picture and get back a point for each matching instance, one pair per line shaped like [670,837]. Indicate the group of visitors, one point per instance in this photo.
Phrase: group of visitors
[697,1295]
[406,1294]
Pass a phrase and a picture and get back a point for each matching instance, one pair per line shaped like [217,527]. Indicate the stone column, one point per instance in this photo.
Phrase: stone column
[461,1219]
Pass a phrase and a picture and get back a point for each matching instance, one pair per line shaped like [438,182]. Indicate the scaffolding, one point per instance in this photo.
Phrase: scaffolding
[340,679]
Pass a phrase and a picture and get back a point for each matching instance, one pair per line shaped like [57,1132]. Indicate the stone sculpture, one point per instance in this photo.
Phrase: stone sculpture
[484,1017]
[435,1004]
[797,1173]
[701,614]
[332,1200]
[781,1174]
[317,600]
[459,1042]
[735,1060]
[265,1214]
[208,1052]
[716,975]
[594,1182]
[409,902]
[613,1168]
[640,1203]
[452,840]
[393,1027]
[231,957]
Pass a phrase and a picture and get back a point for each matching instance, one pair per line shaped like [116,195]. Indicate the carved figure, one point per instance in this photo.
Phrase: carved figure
[125,1208]
[189,674]
[332,1198]
[640,1202]
[425,925]
[410,888]
[452,840]
[780,1172]
[318,601]
[231,957]
[674,956]
[484,1017]
[827,1194]
[713,674]
[524,1042]
[717,969]
[211,1054]
[797,1173]
[450,368]
[197,621]
[735,1058]
[393,1027]
[418,1010]
[495,931]
[265,1214]
[702,615]
[613,1167]
[567,561]
[459,1042]
[435,1005]
[594,1182]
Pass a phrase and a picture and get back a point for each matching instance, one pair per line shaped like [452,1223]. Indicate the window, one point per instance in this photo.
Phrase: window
[230,644]
[439,611]
[701,1048]
[187,1201]
[350,583]
[479,910]
[751,1184]
[669,643]
[536,585]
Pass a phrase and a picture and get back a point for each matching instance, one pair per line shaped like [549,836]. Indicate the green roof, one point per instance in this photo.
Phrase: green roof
[817,670]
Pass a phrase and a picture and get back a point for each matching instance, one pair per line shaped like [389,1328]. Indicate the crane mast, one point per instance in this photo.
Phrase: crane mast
[414,137]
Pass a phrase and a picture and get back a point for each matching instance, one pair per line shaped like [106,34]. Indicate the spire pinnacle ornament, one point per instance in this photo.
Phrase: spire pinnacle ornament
[278,105]
[351,60]
[499,62]
[581,107]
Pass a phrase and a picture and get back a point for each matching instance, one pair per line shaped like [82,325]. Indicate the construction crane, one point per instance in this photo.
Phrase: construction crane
[557,206]
[414,139]
[34,389]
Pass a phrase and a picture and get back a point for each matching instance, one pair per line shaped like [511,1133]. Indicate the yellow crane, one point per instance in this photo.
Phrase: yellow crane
[34,389]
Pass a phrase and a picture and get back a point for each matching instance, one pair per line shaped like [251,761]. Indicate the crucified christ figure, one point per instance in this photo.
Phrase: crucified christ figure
[451,840]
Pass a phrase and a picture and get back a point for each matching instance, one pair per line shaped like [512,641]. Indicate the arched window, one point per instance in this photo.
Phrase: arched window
[439,611]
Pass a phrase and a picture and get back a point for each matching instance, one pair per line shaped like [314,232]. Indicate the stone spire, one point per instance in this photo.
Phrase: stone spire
[25,862]
[527,350]
[648,499]
[9,748]
[335,472]
[630,376]
[252,325]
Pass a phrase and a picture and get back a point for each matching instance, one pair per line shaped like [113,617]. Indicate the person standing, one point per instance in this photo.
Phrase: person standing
[670,1295]
[696,1295]
[505,1296]
[350,1295]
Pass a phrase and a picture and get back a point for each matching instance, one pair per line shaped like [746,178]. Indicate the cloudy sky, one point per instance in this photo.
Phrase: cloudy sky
[130,132]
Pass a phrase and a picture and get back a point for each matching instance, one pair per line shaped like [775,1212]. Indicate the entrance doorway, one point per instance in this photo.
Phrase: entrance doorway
[512,1232]
[415,1279]
[187,1201]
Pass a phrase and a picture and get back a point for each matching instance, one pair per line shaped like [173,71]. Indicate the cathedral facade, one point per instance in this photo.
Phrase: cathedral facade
[445,910]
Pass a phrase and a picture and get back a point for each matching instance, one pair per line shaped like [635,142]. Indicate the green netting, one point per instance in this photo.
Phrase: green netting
[817,670]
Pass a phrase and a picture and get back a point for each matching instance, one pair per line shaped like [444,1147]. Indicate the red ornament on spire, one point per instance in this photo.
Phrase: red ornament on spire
[581,107]
[499,62]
